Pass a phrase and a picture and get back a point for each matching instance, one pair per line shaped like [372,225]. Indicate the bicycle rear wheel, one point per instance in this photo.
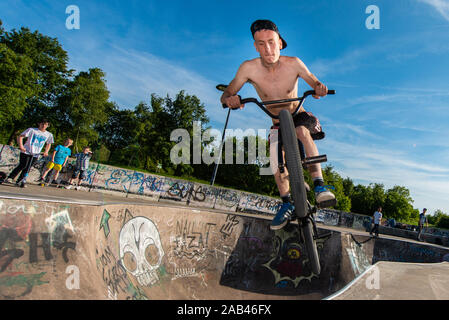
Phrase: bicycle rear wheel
[297,188]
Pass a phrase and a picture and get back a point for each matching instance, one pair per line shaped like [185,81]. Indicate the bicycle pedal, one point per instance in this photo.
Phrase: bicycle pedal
[313,160]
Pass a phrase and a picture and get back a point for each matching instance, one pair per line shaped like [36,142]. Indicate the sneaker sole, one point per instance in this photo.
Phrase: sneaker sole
[327,203]
[280,226]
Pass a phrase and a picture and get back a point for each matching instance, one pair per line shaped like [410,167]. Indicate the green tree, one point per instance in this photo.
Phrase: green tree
[439,219]
[84,105]
[155,123]
[398,205]
[119,134]
[443,222]
[331,177]
[17,85]
[49,63]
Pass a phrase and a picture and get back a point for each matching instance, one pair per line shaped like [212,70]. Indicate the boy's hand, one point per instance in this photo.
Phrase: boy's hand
[233,102]
[320,89]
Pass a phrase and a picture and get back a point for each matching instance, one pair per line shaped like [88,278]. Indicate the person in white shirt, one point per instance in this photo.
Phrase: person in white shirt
[422,220]
[36,139]
[377,218]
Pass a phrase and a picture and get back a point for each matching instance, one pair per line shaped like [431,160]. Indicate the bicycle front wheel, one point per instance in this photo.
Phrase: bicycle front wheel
[293,162]
[297,188]
[312,251]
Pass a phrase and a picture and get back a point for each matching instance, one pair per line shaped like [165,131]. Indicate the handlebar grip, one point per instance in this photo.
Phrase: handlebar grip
[226,106]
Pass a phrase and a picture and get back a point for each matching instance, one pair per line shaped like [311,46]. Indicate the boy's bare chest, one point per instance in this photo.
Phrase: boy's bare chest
[275,85]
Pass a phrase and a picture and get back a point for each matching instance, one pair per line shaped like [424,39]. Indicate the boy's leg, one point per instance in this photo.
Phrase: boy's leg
[23,159]
[50,166]
[29,163]
[323,196]
[80,178]
[74,176]
[57,169]
[284,214]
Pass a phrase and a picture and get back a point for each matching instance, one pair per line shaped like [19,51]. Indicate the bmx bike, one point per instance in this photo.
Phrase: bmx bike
[295,161]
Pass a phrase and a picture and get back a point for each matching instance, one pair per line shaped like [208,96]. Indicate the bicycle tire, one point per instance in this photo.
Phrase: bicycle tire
[293,162]
[297,187]
[312,251]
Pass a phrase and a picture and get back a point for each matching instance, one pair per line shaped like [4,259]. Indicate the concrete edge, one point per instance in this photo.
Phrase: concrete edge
[350,284]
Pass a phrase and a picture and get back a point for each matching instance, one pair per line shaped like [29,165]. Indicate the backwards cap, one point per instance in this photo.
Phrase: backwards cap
[266,25]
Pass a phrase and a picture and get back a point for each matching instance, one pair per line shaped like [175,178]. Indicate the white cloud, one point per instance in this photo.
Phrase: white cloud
[442,6]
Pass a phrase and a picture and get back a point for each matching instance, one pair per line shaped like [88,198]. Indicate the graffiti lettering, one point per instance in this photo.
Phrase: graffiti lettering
[227,228]
[191,239]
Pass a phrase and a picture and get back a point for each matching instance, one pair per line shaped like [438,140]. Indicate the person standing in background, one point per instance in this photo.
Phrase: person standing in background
[422,220]
[377,218]
[36,138]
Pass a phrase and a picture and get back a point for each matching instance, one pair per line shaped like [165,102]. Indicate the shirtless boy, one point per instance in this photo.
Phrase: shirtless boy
[275,77]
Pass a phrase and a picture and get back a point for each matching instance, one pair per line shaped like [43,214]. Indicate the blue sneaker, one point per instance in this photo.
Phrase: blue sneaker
[324,198]
[283,216]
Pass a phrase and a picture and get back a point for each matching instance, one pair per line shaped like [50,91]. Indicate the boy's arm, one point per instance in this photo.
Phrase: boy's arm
[47,149]
[229,96]
[65,161]
[53,156]
[20,143]
[311,80]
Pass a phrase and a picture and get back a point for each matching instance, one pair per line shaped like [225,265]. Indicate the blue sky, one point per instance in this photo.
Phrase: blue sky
[388,122]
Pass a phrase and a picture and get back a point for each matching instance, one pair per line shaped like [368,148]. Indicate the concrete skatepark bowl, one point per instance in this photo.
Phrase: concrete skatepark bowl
[70,251]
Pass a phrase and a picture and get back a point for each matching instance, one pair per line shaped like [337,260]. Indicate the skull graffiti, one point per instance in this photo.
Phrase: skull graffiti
[141,250]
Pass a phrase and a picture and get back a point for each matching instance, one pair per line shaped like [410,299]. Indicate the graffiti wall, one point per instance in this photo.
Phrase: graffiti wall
[56,251]
[101,177]
[158,188]
[200,255]
[38,243]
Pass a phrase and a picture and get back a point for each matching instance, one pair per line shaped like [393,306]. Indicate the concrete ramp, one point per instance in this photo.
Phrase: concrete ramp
[52,250]
[398,281]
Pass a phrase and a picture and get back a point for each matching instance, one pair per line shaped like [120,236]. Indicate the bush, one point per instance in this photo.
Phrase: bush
[443,222]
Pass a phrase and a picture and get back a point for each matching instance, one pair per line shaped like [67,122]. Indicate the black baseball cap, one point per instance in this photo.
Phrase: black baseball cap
[266,25]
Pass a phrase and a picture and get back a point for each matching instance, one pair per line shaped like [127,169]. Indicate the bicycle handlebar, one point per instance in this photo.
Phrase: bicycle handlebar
[262,104]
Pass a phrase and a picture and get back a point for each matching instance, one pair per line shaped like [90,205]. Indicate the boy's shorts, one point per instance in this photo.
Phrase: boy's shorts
[52,165]
[308,120]
[81,173]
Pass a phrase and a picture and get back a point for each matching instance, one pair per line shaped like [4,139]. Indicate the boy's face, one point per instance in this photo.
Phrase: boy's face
[86,150]
[43,126]
[268,44]
[68,143]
